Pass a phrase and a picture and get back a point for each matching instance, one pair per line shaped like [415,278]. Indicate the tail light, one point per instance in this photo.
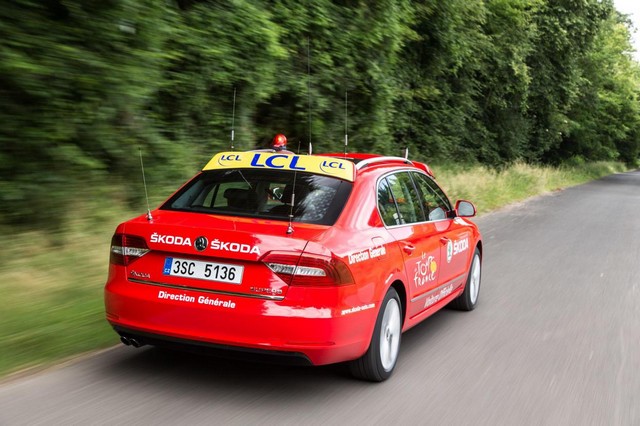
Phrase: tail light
[127,248]
[307,269]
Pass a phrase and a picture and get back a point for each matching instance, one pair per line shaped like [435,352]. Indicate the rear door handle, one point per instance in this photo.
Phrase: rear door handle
[408,248]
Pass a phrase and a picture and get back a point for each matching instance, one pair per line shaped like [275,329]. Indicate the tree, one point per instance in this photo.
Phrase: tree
[566,31]
[75,76]
[604,122]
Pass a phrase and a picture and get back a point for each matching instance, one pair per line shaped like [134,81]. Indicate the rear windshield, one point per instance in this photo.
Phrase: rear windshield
[264,194]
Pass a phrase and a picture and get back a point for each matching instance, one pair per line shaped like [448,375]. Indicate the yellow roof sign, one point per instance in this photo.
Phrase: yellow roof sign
[328,166]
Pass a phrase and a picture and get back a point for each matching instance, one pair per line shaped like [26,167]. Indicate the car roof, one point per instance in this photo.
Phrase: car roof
[343,166]
[363,161]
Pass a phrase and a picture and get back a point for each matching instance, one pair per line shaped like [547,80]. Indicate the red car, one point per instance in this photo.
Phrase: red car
[319,258]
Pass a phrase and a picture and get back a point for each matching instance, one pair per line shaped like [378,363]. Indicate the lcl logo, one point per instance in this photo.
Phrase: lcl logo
[227,158]
[331,165]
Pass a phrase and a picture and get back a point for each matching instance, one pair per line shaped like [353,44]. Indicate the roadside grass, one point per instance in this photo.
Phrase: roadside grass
[52,283]
[51,288]
[490,189]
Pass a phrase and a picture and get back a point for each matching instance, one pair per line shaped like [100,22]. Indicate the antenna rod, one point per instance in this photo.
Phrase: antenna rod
[144,182]
[233,119]
[346,121]
[295,172]
[293,200]
[309,82]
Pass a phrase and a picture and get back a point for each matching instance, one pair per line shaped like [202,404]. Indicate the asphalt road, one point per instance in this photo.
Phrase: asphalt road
[555,340]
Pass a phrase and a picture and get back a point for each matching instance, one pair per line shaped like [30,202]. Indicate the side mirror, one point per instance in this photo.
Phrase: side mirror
[465,208]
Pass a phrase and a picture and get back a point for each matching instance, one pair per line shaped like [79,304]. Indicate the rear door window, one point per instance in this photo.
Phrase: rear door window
[433,200]
[398,200]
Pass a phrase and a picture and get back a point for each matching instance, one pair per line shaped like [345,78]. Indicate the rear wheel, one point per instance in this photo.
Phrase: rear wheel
[378,362]
[469,298]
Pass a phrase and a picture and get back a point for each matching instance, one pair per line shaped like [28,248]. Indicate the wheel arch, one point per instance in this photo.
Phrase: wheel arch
[399,287]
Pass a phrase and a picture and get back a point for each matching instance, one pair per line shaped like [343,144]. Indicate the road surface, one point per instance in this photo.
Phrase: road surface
[555,340]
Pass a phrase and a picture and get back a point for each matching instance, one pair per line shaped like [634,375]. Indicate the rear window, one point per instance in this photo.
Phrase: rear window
[264,194]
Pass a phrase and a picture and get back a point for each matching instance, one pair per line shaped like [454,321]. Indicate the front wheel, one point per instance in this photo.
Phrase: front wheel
[378,362]
[469,298]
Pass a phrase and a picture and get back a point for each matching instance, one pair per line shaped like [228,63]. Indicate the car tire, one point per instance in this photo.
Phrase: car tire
[468,300]
[377,364]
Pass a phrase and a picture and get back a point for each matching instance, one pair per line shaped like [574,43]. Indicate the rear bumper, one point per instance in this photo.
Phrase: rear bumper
[315,325]
[225,351]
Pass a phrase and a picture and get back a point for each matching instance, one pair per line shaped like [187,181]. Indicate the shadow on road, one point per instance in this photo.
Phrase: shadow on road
[166,367]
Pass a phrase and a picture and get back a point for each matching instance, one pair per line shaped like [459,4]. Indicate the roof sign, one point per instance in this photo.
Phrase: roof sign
[334,167]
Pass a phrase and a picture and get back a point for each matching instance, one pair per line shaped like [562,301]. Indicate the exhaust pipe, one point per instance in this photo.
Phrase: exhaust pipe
[125,340]
[135,342]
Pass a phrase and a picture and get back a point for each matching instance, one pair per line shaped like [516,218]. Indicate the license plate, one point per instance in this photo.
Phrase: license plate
[209,271]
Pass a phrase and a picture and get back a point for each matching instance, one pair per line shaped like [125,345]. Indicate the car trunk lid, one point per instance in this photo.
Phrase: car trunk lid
[214,253]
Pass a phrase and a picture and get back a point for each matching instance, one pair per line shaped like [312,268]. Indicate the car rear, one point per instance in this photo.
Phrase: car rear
[236,259]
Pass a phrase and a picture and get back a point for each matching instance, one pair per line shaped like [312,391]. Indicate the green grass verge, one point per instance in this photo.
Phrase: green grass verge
[52,285]
[490,189]
[52,290]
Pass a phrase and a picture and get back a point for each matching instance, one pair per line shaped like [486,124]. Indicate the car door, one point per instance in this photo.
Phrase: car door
[453,236]
[399,203]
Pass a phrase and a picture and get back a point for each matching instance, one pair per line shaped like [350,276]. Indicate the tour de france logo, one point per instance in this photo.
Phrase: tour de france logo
[426,269]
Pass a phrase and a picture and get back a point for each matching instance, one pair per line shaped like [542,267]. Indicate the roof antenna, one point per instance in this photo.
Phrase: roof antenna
[310,148]
[233,119]
[144,182]
[406,146]
[293,199]
[346,121]
[295,173]
[309,84]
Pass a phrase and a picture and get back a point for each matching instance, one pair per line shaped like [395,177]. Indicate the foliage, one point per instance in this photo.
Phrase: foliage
[567,29]
[85,83]
[76,79]
[604,122]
